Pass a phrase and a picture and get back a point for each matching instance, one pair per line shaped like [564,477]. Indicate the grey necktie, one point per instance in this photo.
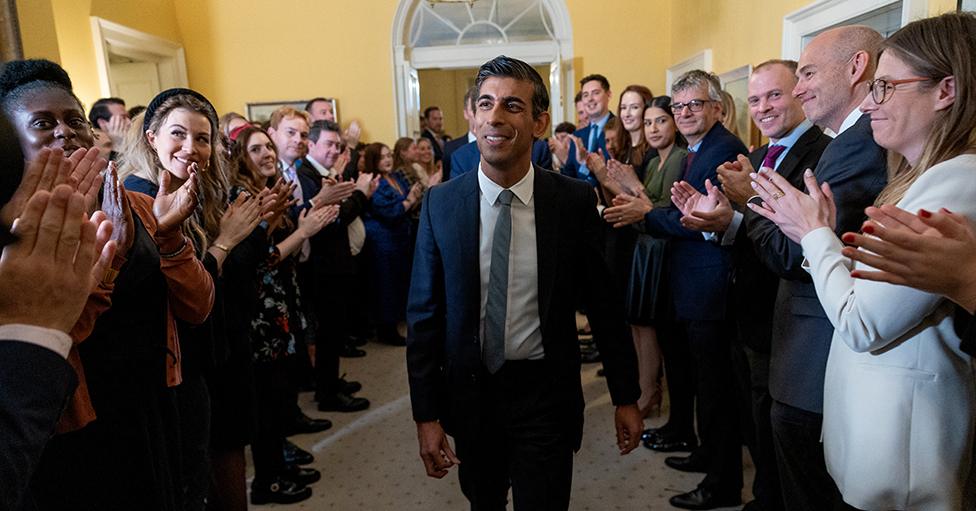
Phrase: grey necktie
[493,346]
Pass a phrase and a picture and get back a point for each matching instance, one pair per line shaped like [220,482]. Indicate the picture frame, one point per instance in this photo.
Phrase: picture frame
[260,112]
[966,5]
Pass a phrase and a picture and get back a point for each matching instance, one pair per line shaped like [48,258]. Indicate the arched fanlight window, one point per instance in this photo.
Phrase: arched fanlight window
[484,22]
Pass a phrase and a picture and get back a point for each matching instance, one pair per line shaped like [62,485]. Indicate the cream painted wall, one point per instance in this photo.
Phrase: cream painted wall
[37,32]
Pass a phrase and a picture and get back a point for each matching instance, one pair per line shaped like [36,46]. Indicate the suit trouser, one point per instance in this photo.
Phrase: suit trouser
[752,371]
[680,373]
[803,472]
[273,390]
[333,310]
[718,426]
[522,440]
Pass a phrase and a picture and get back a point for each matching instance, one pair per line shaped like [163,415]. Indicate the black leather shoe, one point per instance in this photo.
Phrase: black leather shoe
[305,424]
[341,402]
[280,491]
[295,455]
[650,433]
[357,341]
[300,475]
[590,356]
[349,387]
[349,351]
[703,498]
[662,444]
[686,464]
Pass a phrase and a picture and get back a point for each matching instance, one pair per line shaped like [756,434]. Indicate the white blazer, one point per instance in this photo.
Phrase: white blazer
[899,395]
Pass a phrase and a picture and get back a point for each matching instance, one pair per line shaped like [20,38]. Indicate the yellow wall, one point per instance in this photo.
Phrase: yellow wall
[60,30]
[628,41]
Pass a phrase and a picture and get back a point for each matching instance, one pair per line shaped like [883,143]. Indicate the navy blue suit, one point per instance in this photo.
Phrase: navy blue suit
[449,148]
[468,156]
[699,282]
[572,166]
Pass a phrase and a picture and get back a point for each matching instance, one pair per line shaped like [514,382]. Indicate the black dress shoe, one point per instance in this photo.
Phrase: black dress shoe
[300,475]
[357,340]
[348,351]
[349,387]
[305,424]
[703,498]
[686,464]
[661,444]
[279,491]
[341,402]
[650,433]
[590,356]
[295,455]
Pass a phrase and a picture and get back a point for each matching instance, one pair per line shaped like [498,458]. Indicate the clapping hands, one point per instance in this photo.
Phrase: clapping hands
[796,213]
[173,208]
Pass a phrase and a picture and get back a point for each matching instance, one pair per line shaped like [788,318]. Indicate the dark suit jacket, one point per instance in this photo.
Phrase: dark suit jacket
[468,157]
[438,152]
[444,307]
[35,384]
[856,169]
[754,285]
[965,324]
[571,167]
[699,268]
[449,148]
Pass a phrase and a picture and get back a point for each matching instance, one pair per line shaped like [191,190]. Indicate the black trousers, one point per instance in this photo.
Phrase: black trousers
[679,370]
[718,427]
[803,473]
[752,373]
[333,311]
[274,389]
[193,404]
[522,440]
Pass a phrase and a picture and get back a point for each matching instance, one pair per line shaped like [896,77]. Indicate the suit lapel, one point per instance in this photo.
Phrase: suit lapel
[546,238]
[468,225]
[789,167]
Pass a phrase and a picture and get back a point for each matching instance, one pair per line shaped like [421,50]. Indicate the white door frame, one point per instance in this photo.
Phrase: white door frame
[701,60]
[169,56]
[406,61]
[827,13]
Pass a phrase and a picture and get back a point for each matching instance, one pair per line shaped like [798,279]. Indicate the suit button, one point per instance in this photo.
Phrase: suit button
[474,378]
[477,340]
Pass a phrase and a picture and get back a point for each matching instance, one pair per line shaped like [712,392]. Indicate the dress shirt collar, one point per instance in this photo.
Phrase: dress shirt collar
[696,147]
[523,189]
[790,139]
[472,137]
[601,122]
[324,172]
[850,120]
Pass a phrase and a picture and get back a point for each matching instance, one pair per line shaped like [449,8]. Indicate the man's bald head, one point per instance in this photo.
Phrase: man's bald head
[845,42]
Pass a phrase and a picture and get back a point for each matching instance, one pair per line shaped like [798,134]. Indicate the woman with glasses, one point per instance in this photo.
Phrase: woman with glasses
[899,398]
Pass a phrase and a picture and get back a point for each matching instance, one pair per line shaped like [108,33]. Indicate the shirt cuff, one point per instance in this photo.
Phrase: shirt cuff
[729,237]
[54,340]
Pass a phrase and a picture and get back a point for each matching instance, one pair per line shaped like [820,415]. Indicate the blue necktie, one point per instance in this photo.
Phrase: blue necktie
[493,346]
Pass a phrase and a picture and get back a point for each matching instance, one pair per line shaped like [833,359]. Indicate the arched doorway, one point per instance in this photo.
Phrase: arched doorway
[454,35]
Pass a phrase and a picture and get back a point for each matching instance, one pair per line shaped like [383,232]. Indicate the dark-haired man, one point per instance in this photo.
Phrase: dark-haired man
[109,119]
[320,109]
[582,119]
[492,353]
[595,96]
[435,131]
[467,138]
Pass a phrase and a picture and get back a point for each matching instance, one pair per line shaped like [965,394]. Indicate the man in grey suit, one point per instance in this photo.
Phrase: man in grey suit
[833,75]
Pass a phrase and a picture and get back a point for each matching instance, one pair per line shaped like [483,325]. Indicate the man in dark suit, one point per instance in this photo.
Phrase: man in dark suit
[332,268]
[435,131]
[595,95]
[833,73]
[42,294]
[492,355]
[457,143]
[795,145]
[699,292]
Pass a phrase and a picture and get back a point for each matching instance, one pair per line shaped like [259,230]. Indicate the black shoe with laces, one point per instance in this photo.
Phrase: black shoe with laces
[342,402]
[278,491]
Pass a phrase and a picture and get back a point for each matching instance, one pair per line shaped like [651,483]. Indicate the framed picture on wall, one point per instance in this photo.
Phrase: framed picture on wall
[260,112]
[967,5]
[736,83]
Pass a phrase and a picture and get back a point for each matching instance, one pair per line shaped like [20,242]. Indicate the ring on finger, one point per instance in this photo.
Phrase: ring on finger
[777,194]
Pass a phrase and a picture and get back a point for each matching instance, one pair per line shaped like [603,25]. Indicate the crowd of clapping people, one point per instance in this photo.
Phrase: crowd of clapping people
[168,270]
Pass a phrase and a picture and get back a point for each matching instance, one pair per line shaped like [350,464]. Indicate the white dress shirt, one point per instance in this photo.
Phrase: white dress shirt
[324,172]
[54,340]
[523,334]
[291,176]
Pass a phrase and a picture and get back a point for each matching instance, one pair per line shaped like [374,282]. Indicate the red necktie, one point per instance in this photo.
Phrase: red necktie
[688,159]
[772,154]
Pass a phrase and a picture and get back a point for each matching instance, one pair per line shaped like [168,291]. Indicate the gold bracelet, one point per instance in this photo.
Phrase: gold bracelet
[220,246]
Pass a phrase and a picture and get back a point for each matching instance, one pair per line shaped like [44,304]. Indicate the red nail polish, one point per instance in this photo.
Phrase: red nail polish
[855,275]
[924,214]
[868,229]
[848,237]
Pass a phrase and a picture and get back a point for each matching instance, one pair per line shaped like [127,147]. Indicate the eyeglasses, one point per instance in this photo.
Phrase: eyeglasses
[881,89]
[695,105]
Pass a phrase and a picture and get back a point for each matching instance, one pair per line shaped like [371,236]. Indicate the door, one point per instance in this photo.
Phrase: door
[135,82]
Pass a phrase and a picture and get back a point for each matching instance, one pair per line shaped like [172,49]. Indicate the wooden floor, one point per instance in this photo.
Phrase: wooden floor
[369,459]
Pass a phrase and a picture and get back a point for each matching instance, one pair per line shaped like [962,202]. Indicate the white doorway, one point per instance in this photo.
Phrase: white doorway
[452,35]
[134,65]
